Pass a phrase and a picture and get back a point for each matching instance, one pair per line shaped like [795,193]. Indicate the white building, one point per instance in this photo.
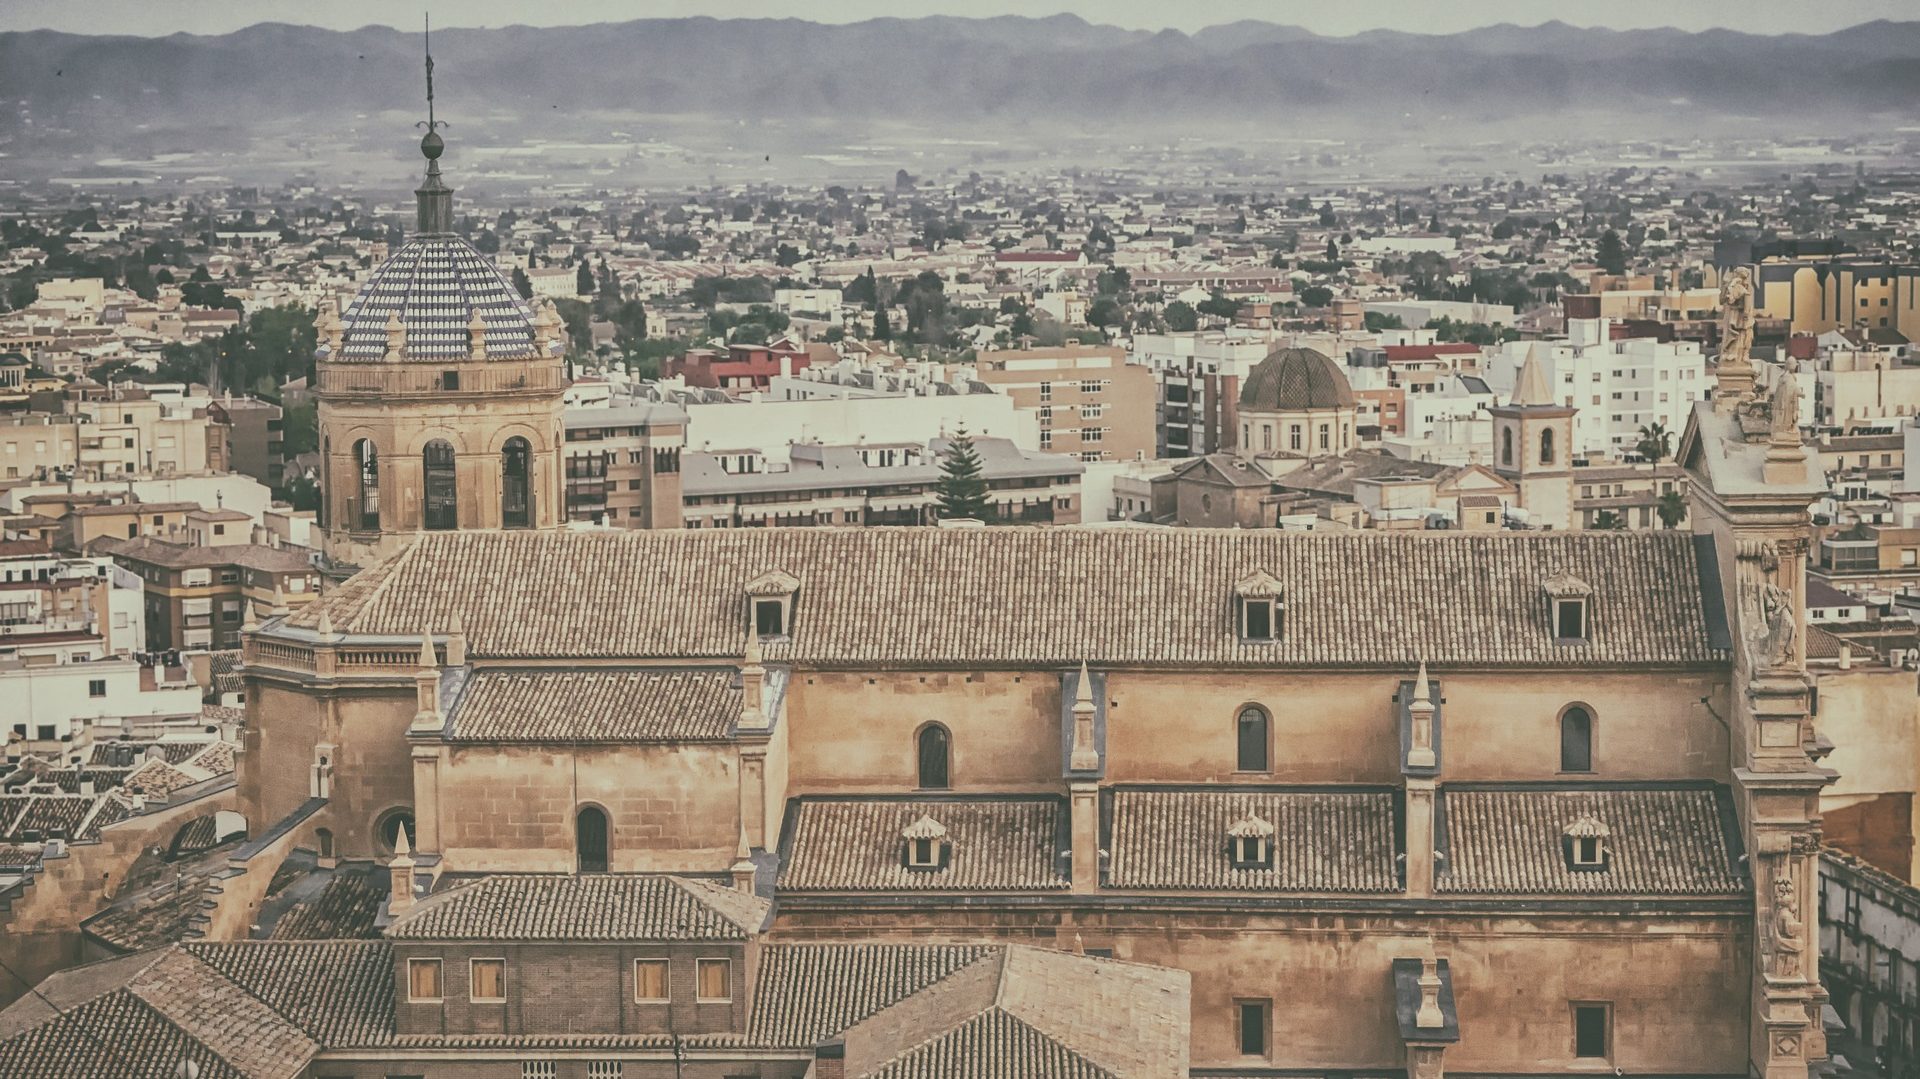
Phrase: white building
[1618,386]
[53,706]
[1199,377]
[800,409]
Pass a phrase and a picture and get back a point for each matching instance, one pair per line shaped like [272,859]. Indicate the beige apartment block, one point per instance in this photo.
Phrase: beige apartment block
[1092,403]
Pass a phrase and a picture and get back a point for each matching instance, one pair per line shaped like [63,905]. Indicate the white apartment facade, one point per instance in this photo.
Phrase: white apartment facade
[1617,386]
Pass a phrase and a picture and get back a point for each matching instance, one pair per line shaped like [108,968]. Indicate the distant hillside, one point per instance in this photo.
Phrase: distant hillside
[279,79]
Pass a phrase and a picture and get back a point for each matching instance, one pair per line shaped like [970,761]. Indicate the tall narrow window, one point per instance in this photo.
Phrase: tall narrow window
[1506,446]
[323,511]
[590,836]
[366,513]
[1253,1028]
[1570,619]
[1576,740]
[516,487]
[1546,446]
[1590,1030]
[442,490]
[935,748]
[1252,736]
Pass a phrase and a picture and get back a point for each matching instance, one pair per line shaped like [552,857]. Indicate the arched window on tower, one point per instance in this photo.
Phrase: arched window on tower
[516,490]
[442,490]
[366,503]
[1576,740]
[323,512]
[590,835]
[1251,733]
[1546,446]
[1506,446]
[935,750]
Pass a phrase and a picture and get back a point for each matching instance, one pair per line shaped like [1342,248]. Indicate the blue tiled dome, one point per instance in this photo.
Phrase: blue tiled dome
[436,283]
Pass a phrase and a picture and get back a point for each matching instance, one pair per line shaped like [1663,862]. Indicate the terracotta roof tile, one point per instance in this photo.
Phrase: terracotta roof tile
[1335,840]
[1664,840]
[810,992]
[1030,596]
[632,705]
[596,907]
[1000,844]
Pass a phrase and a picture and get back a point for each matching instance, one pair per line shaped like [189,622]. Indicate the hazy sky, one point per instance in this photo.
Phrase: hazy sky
[154,17]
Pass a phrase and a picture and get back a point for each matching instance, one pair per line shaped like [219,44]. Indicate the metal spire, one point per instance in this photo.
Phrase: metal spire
[427,40]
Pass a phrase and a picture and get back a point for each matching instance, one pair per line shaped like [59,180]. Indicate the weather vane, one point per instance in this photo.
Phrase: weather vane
[430,123]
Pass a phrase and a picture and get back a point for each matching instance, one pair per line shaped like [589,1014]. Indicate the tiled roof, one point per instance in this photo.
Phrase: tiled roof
[1033,596]
[596,907]
[1031,1012]
[435,284]
[345,909]
[1671,840]
[810,992]
[999,844]
[339,991]
[1336,840]
[143,1044]
[599,705]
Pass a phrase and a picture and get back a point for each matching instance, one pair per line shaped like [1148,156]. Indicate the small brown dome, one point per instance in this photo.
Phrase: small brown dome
[1295,380]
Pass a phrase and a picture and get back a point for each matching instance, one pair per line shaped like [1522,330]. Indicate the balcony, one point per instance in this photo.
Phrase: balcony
[387,379]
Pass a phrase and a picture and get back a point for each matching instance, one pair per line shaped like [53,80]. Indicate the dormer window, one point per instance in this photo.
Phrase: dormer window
[1250,843]
[1262,612]
[1587,850]
[927,847]
[770,603]
[1569,607]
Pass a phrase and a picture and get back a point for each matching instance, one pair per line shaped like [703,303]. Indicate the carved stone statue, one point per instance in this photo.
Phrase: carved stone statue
[1736,308]
[1773,626]
[1787,927]
[1785,417]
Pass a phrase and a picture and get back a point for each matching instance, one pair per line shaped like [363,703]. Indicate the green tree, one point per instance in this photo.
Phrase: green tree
[961,490]
[1316,296]
[1181,317]
[1609,521]
[1672,509]
[1104,312]
[1378,320]
[301,426]
[882,328]
[583,280]
[1612,254]
[521,284]
[1219,304]
[1655,443]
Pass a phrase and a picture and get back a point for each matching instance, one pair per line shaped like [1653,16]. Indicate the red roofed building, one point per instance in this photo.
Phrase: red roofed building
[742,368]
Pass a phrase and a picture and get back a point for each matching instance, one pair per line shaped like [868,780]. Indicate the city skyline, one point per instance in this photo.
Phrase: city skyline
[159,19]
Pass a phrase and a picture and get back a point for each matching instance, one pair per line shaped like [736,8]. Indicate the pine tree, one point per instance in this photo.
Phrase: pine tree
[521,284]
[961,491]
[583,280]
[882,330]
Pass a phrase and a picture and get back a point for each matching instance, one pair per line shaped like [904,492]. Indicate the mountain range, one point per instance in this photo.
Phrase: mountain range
[964,73]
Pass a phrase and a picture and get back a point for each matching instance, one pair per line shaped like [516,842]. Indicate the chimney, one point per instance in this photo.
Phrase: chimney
[753,715]
[401,870]
[829,1061]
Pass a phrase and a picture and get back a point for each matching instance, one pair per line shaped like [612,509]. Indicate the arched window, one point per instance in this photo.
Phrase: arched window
[935,751]
[1576,740]
[324,839]
[386,830]
[1506,446]
[323,512]
[1546,446]
[442,491]
[516,493]
[590,839]
[1251,733]
[366,504]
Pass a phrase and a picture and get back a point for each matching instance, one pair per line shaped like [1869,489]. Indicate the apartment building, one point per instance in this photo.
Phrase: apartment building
[1091,402]
[871,484]
[1618,385]
[623,464]
[1198,385]
[198,595]
[54,706]
[58,608]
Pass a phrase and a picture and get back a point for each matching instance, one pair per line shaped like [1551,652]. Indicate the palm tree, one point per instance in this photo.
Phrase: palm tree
[1655,444]
[1672,509]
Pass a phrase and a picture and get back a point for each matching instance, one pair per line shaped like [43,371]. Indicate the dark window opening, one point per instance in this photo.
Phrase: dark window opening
[934,753]
[1546,446]
[441,487]
[1253,1028]
[590,833]
[516,489]
[366,516]
[1252,732]
[1570,620]
[1576,740]
[1259,615]
[1590,1030]
[387,830]
[769,617]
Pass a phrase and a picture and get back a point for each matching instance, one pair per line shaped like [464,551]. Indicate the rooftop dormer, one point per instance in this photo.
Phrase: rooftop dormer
[1569,608]
[926,845]
[1587,849]
[1260,609]
[770,603]
[1250,843]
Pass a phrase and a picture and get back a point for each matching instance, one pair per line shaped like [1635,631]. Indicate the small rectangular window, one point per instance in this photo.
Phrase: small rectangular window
[1570,619]
[650,981]
[450,380]
[489,980]
[1590,1031]
[97,687]
[1253,1028]
[769,617]
[714,984]
[423,980]
[1259,620]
